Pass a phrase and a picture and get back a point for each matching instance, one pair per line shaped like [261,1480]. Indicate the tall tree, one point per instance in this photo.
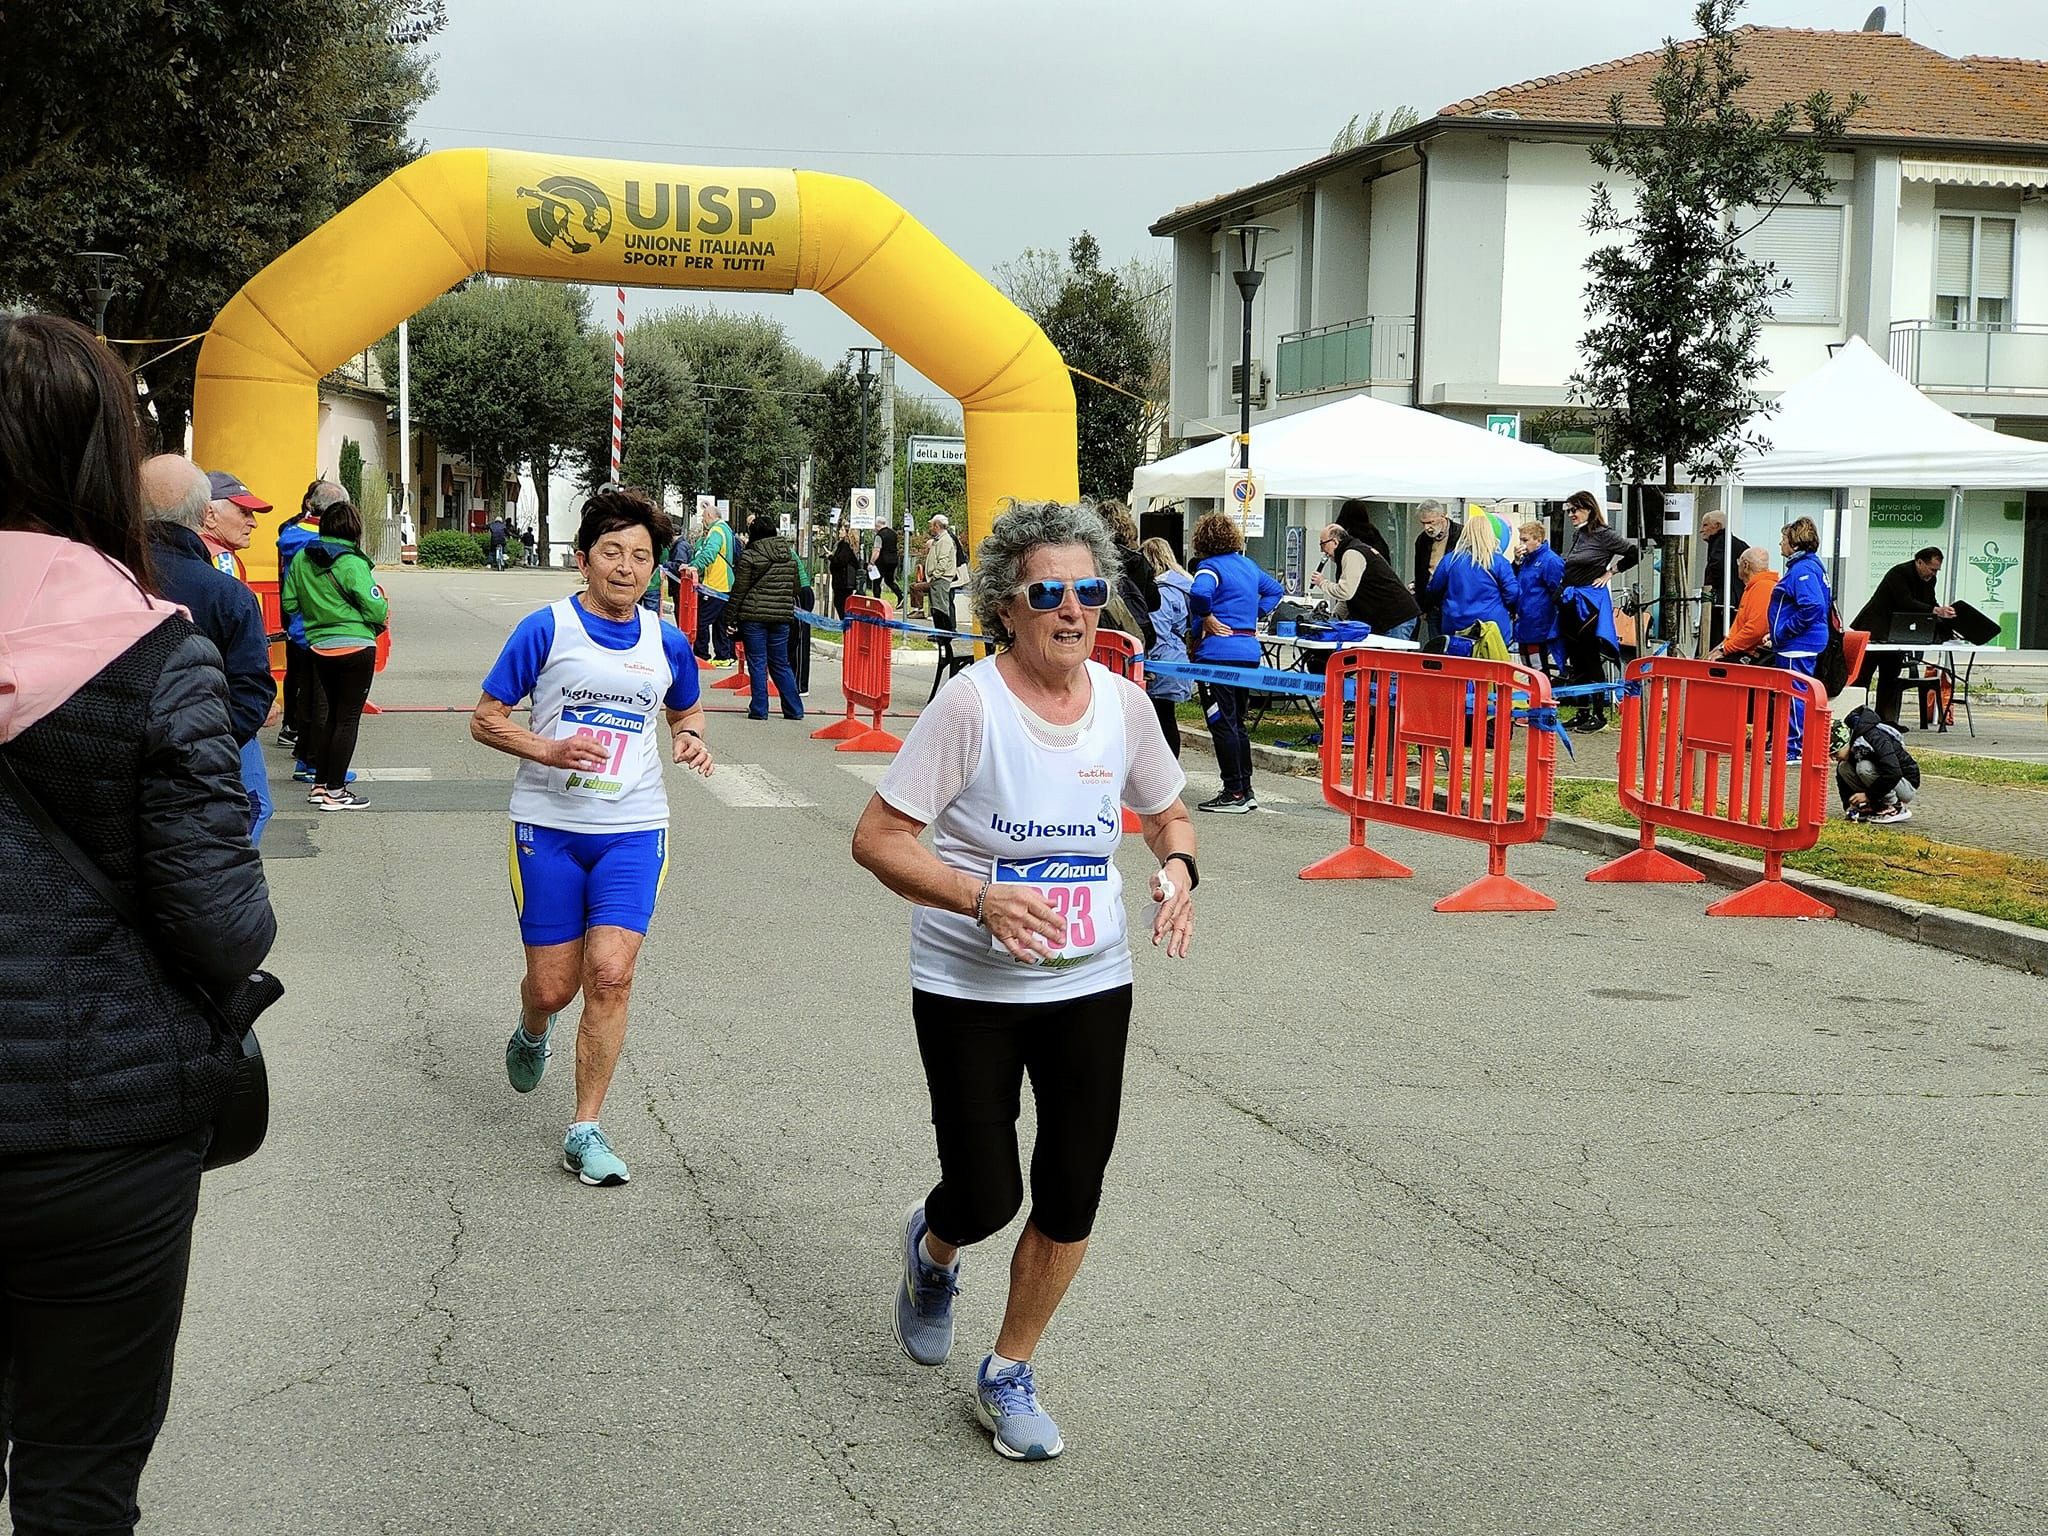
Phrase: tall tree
[754,385]
[1099,324]
[1676,303]
[502,373]
[196,141]
[664,415]
[832,427]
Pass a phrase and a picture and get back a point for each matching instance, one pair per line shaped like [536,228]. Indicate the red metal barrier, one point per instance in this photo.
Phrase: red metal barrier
[1123,654]
[1410,709]
[1702,749]
[686,609]
[864,675]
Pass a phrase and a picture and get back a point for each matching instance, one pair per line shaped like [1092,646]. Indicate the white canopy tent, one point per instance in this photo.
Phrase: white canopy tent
[1372,448]
[1854,422]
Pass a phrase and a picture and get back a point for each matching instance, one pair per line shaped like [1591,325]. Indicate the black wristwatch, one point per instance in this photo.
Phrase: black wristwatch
[1194,874]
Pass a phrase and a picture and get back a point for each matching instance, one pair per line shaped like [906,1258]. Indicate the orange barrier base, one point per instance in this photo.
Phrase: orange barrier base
[706,666]
[371,709]
[1131,821]
[1770,898]
[1647,866]
[737,683]
[840,730]
[873,739]
[1496,893]
[1358,862]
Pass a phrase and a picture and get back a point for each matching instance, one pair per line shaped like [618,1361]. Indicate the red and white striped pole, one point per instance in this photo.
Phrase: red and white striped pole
[619,389]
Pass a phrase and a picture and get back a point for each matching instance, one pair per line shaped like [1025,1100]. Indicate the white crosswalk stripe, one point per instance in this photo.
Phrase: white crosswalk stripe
[869,772]
[748,786]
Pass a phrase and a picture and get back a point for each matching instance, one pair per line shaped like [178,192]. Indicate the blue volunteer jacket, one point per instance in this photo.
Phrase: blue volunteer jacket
[1239,594]
[1799,606]
[1473,594]
[1538,580]
[224,611]
[291,538]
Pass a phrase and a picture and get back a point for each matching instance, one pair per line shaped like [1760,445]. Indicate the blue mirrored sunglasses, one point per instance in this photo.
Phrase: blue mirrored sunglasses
[1045,596]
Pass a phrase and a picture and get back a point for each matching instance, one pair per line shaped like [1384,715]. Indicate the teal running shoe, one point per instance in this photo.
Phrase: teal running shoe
[590,1157]
[923,1318]
[527,1058]
[1008,1407]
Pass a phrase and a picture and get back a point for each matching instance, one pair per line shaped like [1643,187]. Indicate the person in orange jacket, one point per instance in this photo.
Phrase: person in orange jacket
[1750,634]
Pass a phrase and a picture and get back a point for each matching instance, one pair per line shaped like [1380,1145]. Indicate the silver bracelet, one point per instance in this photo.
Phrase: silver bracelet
[980,900]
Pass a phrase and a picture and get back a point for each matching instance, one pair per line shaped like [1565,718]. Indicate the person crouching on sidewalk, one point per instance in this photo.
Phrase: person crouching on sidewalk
[1874,772]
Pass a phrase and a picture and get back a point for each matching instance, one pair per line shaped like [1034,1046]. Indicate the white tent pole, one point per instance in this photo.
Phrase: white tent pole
[1955,536]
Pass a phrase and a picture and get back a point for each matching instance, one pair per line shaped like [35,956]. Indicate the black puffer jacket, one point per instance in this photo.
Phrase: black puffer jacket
[764,590]
[98,1046]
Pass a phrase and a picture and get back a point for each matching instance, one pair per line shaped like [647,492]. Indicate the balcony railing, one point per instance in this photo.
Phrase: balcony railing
[1988,359]
[1379,349]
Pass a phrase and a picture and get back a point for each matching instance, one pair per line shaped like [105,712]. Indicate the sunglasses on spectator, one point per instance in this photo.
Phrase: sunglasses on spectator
[1045,596]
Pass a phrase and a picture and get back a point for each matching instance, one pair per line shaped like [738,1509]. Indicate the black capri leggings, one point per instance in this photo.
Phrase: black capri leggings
[345,683]
[976,1055]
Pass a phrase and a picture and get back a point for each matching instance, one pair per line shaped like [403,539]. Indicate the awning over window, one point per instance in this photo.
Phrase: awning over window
[1956,173]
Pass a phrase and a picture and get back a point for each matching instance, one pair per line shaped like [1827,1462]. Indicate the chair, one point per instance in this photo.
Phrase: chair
[1854,643]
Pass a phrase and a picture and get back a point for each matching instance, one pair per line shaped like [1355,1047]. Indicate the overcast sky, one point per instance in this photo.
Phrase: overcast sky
[1006,124]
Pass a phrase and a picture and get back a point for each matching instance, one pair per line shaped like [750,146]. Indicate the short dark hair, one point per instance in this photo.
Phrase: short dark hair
[341,521]
[70,440]
[759,527]
[614,508]
[1929,553]
[1355,516]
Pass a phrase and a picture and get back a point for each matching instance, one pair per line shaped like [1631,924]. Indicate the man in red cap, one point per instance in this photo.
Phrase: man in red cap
[229,522]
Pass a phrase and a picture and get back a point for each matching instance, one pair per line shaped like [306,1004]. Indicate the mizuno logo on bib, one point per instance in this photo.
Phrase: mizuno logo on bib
[1078,889]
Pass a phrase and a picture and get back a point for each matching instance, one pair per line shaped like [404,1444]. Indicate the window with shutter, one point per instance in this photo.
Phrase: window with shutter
[1802,244]
[1973,269]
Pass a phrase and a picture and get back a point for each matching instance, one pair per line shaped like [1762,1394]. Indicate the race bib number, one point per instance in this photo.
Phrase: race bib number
[618,731]
[1077,888]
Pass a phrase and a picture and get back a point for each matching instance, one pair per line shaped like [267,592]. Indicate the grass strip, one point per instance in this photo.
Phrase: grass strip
[1984,770]
[1894,861]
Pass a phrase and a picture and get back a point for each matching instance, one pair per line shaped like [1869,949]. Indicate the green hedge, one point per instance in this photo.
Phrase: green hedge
[515,550]
[447,546]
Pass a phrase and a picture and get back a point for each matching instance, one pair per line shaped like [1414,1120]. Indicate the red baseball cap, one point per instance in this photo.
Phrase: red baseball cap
[227,488]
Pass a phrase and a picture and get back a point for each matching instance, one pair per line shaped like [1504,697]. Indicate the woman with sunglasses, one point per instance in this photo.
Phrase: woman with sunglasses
[1018,958]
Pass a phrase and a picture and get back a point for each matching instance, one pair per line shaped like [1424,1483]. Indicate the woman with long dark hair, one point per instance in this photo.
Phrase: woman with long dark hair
[114,726]
[1585,609]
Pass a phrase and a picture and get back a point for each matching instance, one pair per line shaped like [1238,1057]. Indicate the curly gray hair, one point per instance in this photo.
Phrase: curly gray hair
[999,563]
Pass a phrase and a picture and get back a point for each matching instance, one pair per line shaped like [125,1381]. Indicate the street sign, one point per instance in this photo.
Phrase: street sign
[938,450]
[1508,426]
[1244,498]
[1678,510]
[860,502]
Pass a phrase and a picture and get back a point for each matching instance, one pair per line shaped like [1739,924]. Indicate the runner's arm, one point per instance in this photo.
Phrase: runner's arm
[686,738]
[885,844]
[491,723]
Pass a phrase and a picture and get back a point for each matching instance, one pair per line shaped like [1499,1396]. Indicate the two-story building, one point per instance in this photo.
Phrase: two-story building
[1443,267]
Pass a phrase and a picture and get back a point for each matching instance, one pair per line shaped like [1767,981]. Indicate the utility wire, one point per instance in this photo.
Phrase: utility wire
[859,154]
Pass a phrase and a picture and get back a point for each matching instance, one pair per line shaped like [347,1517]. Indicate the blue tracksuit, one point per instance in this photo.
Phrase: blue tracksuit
[1800,605]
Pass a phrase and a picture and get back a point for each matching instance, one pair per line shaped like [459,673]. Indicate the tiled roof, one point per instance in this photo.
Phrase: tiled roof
[1911,91]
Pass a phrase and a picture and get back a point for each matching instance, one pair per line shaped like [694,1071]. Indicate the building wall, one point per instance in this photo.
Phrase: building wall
[1461,320]
[1545,247]
[1390,258]
[1343,247]
[351,416]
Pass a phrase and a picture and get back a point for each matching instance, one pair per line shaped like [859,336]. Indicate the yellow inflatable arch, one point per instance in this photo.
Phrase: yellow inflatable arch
[515,213]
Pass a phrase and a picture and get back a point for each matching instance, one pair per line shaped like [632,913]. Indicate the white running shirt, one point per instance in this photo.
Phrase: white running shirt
[616,698]
[1037,805]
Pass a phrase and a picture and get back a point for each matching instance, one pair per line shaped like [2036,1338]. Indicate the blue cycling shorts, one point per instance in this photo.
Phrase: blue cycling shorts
[566,883]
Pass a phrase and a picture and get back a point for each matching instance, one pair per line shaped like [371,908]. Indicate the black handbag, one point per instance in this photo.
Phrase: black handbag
[243,1119]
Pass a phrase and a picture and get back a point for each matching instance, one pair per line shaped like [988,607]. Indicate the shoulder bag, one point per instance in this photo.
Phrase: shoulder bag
[243,1119]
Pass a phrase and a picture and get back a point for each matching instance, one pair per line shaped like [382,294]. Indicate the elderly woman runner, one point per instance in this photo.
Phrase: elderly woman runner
[1018,957]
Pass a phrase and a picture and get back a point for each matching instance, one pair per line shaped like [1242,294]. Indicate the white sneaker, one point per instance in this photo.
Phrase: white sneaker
[1890,816]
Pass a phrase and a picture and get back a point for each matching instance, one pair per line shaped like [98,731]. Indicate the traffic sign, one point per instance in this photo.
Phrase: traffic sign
[1245,499]
[860,504]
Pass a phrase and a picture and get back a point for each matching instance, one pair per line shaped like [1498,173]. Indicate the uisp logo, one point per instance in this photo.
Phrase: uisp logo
[566,208]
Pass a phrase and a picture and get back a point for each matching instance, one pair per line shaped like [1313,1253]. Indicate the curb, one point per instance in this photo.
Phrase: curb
[1990,939]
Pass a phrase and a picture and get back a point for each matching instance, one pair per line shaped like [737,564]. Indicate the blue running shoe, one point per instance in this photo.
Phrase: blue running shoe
[305,773]
[590,1157]
[923,1316]
[526,1058]
[1008,1407]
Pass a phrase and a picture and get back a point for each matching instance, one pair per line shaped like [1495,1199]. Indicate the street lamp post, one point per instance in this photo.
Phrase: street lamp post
[865,376]
[1247,277]
[100,287]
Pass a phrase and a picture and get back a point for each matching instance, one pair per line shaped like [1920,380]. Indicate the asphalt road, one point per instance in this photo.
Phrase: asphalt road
[1615,1219]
